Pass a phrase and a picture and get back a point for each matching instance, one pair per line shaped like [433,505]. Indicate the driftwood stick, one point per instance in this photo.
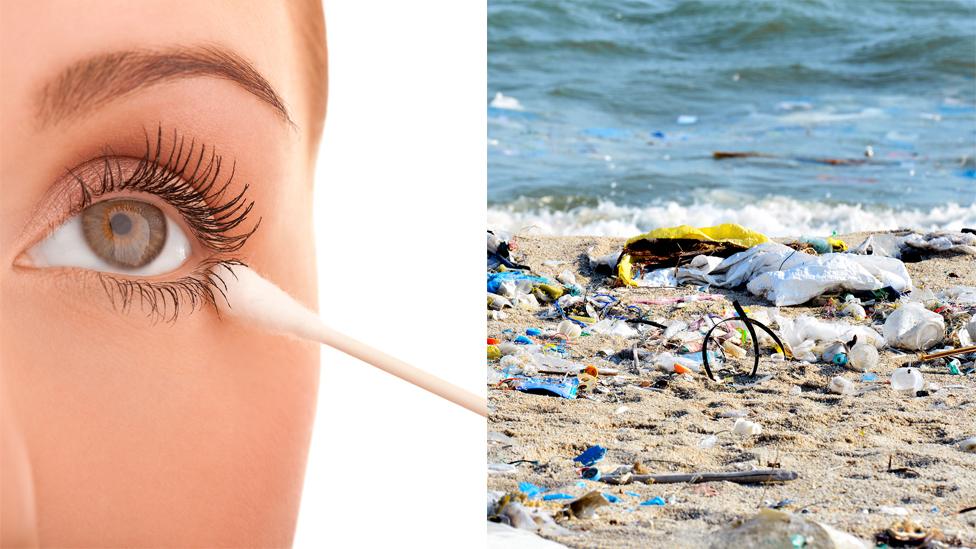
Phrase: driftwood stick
[950,352]
[744,477]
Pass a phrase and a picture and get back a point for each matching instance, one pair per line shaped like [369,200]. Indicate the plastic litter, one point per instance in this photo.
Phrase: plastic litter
[840,386]
[557,496]
[853,309]
[749,323]
[707,441]
[679,364]
[907,380]
[569,329]
[550,387]
[771,528]
[908,245]
[863,357]
[530,490]
[787,277]
[590,473]
[656,500]
[869,377]
[591,455]
[744,427]
[615,327]
[804,333]
[834,350]
[494,353]
[500,468]
[914,328]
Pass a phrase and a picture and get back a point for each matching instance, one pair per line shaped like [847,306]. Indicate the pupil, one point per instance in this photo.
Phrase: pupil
[120,223]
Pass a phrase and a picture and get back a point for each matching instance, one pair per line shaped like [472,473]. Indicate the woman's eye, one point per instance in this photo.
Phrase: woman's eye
[122,235]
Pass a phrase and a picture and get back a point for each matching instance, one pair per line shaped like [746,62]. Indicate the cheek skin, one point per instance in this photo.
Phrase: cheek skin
[133,429]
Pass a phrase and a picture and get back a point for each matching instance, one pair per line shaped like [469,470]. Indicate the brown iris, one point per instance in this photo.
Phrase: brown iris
[126,233]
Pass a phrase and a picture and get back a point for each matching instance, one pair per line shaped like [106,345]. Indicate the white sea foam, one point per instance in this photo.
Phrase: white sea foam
[507,102]
[772,216]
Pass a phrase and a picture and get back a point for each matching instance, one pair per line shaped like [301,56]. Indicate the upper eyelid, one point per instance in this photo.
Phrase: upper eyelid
[215,217]
[189,179]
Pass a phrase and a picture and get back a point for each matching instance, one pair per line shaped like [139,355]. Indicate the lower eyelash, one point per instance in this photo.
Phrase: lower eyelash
[165,300]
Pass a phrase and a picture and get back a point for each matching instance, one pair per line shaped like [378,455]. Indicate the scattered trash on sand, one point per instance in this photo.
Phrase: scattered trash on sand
[717,356]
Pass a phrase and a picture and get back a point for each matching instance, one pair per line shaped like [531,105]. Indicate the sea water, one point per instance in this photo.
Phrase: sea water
[603,117]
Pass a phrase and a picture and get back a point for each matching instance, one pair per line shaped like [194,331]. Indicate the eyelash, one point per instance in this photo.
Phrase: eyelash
[185,178]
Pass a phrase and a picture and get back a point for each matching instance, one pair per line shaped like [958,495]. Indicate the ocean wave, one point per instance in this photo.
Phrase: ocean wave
[775,216]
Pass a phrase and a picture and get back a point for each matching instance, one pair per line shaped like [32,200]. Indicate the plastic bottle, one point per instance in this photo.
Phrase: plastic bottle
[863,357]
[819,244]
[907,379]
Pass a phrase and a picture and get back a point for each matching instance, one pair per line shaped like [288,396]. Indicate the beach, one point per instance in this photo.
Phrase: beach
[864,460]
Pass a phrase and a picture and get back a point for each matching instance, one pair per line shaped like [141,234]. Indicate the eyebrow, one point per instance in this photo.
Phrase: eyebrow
[90,83]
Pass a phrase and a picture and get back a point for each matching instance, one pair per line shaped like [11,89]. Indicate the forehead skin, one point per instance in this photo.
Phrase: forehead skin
[117,431]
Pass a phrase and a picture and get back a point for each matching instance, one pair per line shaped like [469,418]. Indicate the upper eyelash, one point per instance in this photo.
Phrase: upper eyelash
[189,180]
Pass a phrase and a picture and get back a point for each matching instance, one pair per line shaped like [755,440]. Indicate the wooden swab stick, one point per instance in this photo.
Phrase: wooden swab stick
[950,352]
[259,302]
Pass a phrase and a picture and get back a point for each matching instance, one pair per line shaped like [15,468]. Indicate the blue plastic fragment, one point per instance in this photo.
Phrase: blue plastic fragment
[611,498]
[495,279]
[592,455]
[658,134]
[656,500]
[550,387]
[840,359]
[530,490]
[533,332]
[633,494]
[522,340]
[580,484]
[550,497]
[591,473]
[697,357]
[868,376]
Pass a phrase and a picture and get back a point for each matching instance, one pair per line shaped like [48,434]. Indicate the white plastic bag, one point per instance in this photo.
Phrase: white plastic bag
[914,328]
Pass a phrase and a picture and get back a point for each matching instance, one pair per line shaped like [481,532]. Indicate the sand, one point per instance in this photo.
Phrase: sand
[839,445]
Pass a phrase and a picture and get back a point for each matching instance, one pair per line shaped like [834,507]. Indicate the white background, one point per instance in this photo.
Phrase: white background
[400,214]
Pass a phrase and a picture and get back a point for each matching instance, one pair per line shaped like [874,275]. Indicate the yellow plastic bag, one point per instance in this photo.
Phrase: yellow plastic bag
[625,271]
[727,232]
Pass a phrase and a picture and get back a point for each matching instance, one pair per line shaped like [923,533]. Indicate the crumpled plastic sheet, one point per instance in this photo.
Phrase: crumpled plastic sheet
[802,334]
[787,277]
[895,244]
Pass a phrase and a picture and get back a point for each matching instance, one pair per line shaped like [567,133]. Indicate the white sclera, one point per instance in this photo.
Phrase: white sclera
[67,247]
